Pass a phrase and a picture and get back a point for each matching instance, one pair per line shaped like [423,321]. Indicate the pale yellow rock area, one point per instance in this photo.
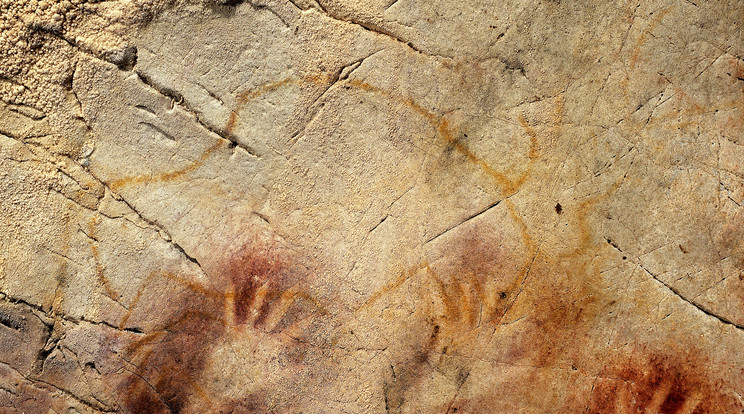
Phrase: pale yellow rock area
[371,206]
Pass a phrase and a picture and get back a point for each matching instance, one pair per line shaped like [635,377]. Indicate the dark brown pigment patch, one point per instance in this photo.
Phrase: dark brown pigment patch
[166,364]
[660,383]
[254,267]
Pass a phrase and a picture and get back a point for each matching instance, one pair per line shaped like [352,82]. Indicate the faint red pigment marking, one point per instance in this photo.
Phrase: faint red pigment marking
[477,282]
[667,383]
[660,14]
[260,281]
[259,276]
[675,381]
[94,248]
[253,268]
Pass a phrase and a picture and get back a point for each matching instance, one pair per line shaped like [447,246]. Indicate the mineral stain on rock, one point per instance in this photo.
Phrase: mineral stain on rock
[254,286]
[300,206]
[675,382]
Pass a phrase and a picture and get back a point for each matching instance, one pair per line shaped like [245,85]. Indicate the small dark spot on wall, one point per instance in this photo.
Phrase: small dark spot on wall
[462,376]
[514,65]
[682,249]
[124,59]
[558,208]
[613,244]
[67,81]
[6,319]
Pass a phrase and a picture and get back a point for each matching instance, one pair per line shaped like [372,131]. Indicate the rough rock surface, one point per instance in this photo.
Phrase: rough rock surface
[371,206]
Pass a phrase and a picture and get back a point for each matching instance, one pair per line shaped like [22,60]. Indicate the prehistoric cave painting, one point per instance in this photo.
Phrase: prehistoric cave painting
[669,381]
[304,206]
[439,122]
[258,287]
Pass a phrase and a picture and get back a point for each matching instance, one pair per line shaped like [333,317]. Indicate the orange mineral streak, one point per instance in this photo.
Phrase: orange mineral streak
[644,36]
[249,95]
[508,187]
[170,176]
[442,126]
[397,283]
[94,248]
[469,298]
[564,296]
[484,290]
[438,122]
[483,285]
[259,288]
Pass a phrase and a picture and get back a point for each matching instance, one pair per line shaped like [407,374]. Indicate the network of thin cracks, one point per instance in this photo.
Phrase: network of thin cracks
[152,223]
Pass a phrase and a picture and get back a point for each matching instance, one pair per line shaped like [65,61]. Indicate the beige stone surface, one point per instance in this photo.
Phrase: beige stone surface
[325,206]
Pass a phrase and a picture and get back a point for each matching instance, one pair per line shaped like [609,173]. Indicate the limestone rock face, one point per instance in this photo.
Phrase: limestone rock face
[371,206]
